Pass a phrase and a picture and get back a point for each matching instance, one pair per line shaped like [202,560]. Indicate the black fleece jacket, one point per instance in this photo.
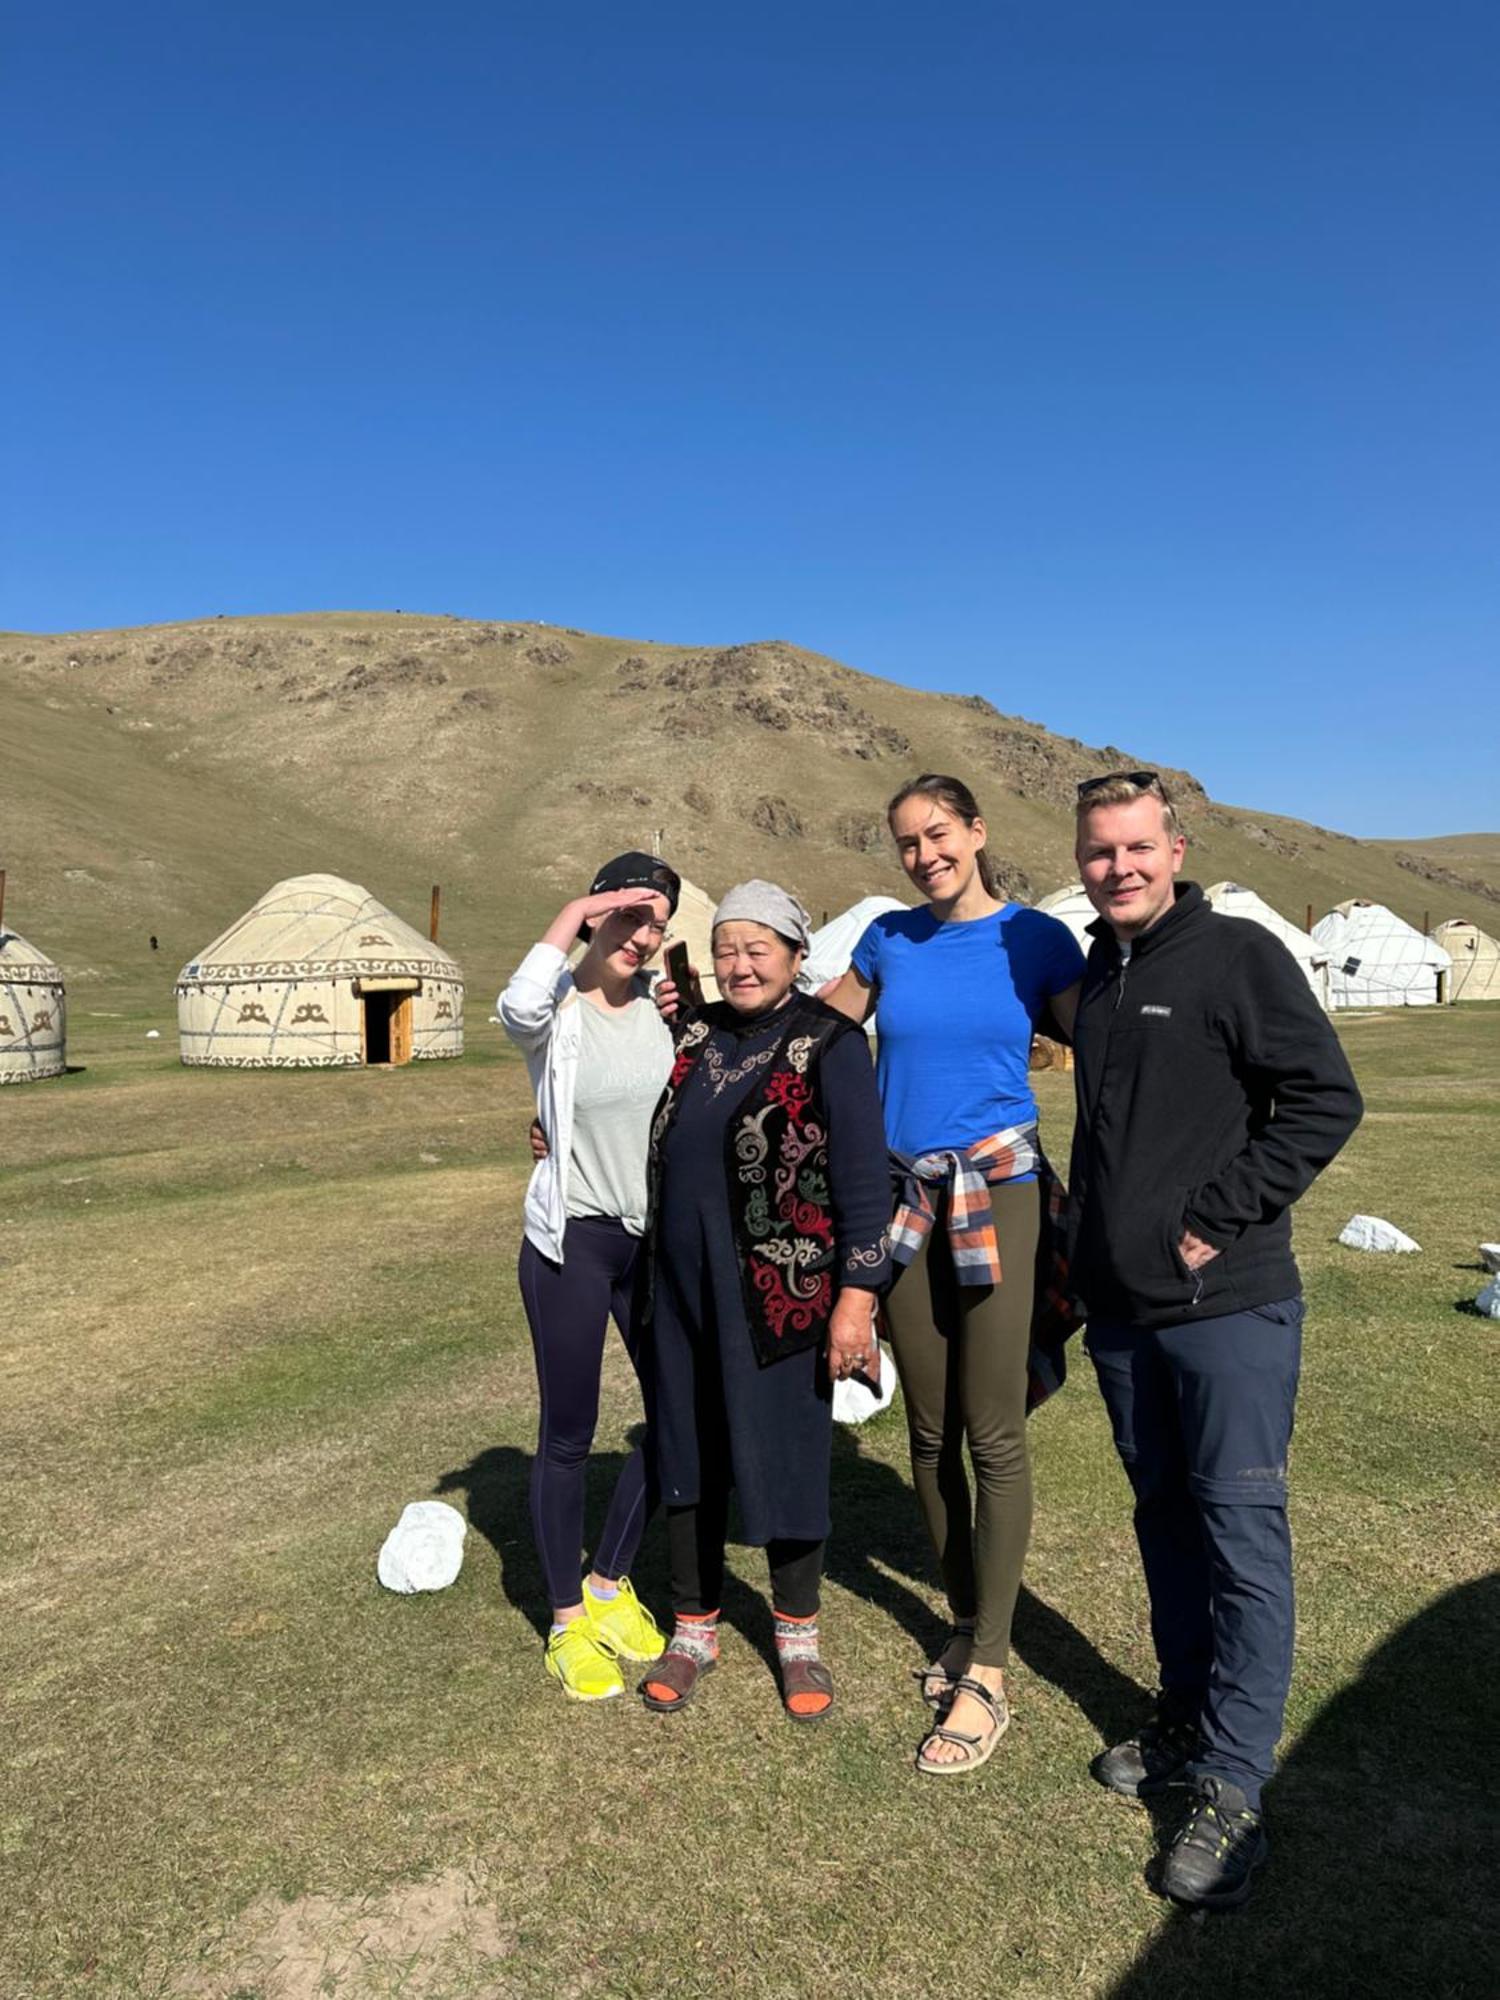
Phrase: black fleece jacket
[1212,1091]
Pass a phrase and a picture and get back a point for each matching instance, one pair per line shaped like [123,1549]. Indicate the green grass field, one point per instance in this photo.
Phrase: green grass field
[248,1316]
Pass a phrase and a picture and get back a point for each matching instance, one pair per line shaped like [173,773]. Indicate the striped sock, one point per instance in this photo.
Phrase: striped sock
[696,1633]
[797,1639]
[695,1637]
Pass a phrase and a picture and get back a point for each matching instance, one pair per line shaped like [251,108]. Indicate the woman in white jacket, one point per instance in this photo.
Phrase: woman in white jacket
[599,1054]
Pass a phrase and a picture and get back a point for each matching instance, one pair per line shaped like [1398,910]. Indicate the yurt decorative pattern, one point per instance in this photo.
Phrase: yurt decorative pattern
[319,974]
[33,1013]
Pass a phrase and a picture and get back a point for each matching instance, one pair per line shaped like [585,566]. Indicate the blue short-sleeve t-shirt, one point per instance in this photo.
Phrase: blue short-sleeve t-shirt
[956,1004]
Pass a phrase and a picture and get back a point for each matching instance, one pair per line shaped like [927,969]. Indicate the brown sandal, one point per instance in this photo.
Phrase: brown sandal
[976,1750]
[805,1677]
[677,1671]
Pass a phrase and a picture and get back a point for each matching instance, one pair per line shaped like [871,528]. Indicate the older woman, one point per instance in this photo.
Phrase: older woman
[769,1242]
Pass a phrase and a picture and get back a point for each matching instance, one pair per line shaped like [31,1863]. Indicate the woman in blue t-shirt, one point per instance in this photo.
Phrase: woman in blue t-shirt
[958,988]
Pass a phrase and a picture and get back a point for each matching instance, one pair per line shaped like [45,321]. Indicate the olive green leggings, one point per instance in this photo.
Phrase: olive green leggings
[961,1354]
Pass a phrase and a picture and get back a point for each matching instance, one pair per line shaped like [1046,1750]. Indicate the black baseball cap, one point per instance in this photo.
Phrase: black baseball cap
[636,871]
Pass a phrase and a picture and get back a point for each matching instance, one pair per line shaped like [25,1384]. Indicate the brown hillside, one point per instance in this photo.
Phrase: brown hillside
[158,779]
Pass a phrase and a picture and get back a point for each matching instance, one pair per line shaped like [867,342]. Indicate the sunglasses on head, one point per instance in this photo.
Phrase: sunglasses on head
[1141,778]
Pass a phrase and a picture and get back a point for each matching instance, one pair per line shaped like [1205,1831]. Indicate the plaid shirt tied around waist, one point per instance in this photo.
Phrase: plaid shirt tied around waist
[966,1179]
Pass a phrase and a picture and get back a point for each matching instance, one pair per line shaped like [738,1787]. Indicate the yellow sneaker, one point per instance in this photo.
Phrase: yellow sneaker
[576,1658]
[622,1624]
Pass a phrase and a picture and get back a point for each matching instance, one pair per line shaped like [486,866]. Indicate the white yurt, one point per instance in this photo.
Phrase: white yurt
[1476,959]
[1232,899]
[1073,908]
[319,974]
[833,943]
[33,1013]
[1377,960]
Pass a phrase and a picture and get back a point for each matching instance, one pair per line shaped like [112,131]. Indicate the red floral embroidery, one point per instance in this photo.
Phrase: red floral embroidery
[807,1218]
[685,1060]
[792,1092]
[783,1312]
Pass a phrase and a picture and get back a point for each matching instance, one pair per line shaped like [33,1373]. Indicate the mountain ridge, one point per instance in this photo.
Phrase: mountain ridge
[160,778]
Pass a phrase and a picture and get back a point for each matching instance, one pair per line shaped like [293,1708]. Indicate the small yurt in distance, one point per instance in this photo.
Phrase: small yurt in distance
[319,974]
[1476,959]
[1377,960]
[33,1013]
[1232,899]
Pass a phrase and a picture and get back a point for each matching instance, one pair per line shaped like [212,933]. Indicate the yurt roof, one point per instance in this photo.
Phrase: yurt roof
[1372,924]
[1233,899]
[318,925]
[23,963]
[1461,927]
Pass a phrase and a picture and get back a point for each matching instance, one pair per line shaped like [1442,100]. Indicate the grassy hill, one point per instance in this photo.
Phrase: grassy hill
[1468,862]
[159,779]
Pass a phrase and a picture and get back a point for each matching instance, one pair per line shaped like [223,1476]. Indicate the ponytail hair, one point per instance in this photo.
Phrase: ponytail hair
[954,796]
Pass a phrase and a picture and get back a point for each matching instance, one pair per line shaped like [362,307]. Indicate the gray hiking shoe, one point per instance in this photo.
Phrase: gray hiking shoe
[1154,1759]
[1219,1845]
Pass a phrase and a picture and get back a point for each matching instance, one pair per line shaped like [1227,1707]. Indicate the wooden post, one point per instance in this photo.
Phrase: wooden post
[432,923]
[1427,923]
[1309,920]
[2,899]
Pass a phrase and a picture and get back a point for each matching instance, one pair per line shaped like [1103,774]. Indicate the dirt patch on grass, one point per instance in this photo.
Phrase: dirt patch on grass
[420,1939]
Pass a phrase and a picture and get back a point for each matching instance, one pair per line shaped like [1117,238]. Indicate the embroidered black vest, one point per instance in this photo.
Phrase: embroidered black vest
[776,1177]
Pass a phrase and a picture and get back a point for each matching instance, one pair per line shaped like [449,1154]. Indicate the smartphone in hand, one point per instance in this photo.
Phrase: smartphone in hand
[689,991]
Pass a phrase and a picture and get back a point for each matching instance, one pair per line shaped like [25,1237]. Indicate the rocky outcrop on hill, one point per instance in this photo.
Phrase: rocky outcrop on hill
[1446,878]
[763,686]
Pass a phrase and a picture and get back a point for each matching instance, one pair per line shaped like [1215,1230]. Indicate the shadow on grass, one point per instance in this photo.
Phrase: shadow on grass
[1383,1827]
[878,1552]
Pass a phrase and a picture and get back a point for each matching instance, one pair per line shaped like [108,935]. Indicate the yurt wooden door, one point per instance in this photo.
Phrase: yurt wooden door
[387,1028]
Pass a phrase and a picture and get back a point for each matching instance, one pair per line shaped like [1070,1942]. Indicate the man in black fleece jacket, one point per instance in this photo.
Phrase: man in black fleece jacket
[1211,1092]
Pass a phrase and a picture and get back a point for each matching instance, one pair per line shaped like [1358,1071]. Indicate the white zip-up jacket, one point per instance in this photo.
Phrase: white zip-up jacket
[539,1011]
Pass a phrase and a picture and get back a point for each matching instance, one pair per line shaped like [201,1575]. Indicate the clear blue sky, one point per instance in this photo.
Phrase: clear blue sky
[1132,365]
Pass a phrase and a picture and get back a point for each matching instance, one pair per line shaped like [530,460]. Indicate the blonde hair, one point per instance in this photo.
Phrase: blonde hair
[1122,791]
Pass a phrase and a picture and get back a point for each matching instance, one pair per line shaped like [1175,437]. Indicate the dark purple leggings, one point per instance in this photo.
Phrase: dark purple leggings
[568,1308]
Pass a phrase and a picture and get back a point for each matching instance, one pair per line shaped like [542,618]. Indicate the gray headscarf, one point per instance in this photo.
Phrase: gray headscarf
[765,903]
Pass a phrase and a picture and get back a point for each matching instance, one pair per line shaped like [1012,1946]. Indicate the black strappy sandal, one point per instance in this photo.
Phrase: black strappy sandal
[936,1682]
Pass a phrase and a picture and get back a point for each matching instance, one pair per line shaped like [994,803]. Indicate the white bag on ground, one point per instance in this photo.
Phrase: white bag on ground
[854,1402]
[1489,1256]
[425,1549]
[1372,1232]
[1488,1301]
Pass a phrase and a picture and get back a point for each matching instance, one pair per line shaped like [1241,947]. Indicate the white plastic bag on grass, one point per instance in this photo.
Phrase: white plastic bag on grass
[425,1549]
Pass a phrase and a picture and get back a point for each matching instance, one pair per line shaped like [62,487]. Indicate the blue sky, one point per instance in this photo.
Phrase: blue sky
[1132,366]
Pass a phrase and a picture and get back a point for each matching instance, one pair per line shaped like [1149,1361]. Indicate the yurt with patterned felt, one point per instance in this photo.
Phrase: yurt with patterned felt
[1376,959]
[319,975]
[1476,959]
[33,1013]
